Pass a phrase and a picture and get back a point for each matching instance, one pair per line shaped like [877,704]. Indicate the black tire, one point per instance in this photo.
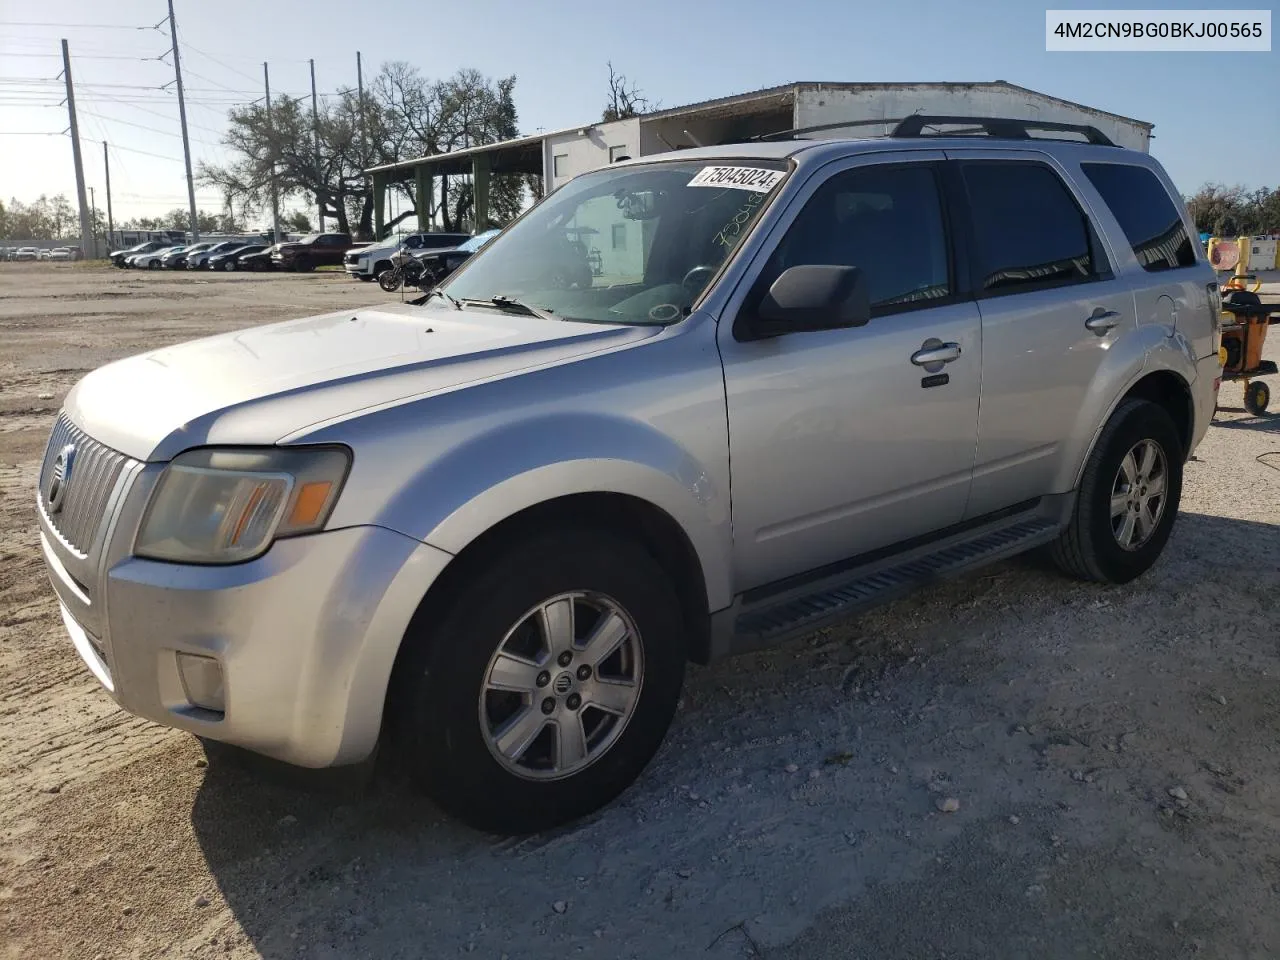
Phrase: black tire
[153,265]
[1257,395]
[228,265]
[303,265]
[442,674]
[390,280]
[1088,548]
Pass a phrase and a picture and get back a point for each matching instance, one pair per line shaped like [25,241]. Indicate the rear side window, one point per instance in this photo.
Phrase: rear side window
[1145,212]
[1030,232]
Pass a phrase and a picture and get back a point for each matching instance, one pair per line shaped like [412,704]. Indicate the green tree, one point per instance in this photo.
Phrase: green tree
[298,221]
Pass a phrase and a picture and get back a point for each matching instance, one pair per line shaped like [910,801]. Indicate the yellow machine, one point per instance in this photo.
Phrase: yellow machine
[1244,333]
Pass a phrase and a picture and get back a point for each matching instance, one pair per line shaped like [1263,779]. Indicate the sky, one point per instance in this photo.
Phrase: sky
[1216,115]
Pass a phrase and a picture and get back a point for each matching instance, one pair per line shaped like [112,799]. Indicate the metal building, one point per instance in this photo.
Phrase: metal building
[563,154]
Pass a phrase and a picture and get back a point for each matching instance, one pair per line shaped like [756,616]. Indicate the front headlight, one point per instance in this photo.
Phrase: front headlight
[229,505]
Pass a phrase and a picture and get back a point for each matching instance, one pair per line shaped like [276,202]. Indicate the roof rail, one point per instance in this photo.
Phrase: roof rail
[1007,128]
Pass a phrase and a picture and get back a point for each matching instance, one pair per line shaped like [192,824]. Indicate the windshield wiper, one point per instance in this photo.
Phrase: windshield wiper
[512,305]
[437,292]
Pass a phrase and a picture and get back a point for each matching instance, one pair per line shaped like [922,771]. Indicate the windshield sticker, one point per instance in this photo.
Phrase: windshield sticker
[756,179]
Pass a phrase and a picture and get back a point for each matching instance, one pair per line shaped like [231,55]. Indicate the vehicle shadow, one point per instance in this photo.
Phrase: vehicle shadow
[723,833]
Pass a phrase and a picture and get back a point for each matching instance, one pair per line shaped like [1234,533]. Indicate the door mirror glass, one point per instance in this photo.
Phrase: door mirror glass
[813,297]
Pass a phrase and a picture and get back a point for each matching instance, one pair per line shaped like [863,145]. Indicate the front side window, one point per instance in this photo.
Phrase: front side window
[624,245]
[1145,212]
[885,220]
[1030,232]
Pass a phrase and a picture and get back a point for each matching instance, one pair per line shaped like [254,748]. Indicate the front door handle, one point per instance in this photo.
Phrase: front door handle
[934,351]
[1100,321]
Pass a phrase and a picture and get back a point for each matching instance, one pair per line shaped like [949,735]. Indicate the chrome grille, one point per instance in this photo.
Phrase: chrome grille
[94,472]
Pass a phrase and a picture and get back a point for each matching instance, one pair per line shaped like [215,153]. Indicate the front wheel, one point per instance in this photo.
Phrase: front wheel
[390,280]
[547,685]
[229,266]
[153,265]
[1128,497]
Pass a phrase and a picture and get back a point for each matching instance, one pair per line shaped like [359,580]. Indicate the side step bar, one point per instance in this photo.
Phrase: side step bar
[812,605]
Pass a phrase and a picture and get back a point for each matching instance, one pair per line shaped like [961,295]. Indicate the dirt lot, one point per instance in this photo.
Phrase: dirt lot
[1113,752]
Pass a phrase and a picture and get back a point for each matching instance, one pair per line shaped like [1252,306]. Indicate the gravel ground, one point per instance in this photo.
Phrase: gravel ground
[1010,765]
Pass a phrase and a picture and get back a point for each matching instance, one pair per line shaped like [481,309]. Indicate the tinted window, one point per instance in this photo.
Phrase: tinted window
[1029,230]
[1148,217]
[885,220]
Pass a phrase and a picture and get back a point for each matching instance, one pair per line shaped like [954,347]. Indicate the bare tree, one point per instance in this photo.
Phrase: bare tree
[625,98]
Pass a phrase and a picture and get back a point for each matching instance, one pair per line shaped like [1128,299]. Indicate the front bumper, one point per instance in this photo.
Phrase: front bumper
[305,636]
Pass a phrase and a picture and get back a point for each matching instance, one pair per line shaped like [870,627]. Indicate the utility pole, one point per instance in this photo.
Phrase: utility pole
[75,151]
[360,102]
[275,195]
[93,221]
[182,115]
[315,136]
[106,163]
[364,160]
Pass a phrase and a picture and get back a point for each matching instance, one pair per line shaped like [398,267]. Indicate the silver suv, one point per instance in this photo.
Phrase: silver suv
[683,407]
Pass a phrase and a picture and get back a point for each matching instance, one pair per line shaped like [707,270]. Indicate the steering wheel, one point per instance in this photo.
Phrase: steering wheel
[697,278]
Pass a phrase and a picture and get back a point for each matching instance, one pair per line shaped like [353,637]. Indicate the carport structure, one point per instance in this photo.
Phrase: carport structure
[520,156]
[560,155]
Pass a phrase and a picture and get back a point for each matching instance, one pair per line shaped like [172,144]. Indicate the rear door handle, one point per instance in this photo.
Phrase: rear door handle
[1100,321]
[936,352]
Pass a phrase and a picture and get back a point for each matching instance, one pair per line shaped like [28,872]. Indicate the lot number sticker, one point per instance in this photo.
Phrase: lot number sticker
[755,179]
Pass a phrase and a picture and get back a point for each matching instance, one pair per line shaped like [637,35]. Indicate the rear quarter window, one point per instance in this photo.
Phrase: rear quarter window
[1146,213]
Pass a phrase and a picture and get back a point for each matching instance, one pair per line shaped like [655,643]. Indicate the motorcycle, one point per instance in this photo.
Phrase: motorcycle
[405,270]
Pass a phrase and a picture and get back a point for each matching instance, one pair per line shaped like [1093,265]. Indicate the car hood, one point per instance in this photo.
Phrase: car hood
[263,384]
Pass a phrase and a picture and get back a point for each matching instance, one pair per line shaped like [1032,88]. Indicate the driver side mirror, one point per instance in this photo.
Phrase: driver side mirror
[809,298]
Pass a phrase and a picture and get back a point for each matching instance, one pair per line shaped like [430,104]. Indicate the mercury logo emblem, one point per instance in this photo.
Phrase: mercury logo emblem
[564,683]
[57,491]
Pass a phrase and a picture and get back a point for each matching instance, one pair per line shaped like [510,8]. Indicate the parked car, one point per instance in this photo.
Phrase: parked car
[316,250]
[118,257]
[490,529]
[152,260]
[201,259]
[439,264]
[42,254]
[262,260]
[27,253]
[62,253]
[365,263]
[230,260]
[176,258]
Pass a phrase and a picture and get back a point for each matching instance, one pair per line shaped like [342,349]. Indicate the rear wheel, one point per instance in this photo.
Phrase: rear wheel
[1128,497]
[548,684]
[1256,397]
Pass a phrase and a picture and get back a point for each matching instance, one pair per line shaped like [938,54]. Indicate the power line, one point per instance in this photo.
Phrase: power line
[78,56]
[142,126]
[225,66]
[94,26]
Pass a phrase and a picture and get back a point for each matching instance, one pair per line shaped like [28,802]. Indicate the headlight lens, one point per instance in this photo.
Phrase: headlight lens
[228,506]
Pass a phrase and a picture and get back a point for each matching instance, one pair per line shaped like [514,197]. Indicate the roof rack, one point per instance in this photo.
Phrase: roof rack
[1007,128]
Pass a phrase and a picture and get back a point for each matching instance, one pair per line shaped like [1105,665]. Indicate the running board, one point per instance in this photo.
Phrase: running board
[803,609]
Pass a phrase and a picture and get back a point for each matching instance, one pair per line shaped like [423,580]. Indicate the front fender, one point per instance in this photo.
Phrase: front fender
[494,475]
[1149,349]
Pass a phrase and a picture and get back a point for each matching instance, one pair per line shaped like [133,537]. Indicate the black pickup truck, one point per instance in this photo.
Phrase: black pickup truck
[317,250]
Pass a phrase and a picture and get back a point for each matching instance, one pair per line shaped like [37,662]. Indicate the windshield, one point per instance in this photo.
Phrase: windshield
[636,244]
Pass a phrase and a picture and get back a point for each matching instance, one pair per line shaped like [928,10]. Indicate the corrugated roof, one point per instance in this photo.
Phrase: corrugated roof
[784,94]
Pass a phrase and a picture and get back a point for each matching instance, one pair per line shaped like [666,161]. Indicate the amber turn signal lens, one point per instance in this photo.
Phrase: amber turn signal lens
[309,503]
